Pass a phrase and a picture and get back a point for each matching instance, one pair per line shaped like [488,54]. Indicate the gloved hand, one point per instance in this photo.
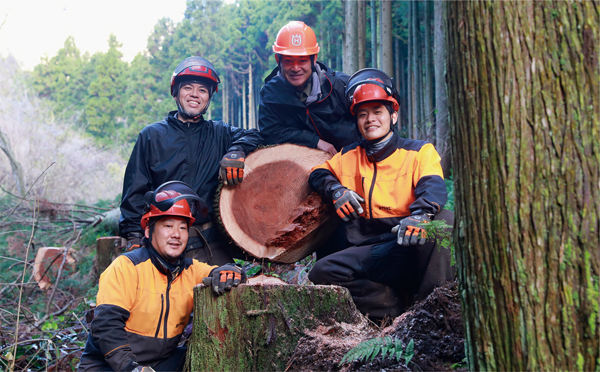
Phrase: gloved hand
[224,278]
[408,231]
[134,241]
[232,167]
[143,369]
[346,203]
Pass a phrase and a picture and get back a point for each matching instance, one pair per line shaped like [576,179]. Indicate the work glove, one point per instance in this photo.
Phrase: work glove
[232,167]
[408,231]
[134,241]
[143,369]
[346,203]
[224,278]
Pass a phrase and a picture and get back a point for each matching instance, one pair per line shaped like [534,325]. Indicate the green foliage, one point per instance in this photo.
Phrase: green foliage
[387,347]
[442,232]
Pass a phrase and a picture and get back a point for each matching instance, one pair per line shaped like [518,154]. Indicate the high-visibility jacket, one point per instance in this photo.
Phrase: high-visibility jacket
[403,178]
[142,310]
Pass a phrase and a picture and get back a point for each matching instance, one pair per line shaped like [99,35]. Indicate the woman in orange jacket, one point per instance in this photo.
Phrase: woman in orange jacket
[383,188]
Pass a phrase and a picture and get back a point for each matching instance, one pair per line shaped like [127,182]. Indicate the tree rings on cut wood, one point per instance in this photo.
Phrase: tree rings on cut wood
[256,327]
[273,213]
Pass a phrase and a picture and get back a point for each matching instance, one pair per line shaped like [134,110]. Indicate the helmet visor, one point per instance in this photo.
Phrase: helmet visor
[197,205]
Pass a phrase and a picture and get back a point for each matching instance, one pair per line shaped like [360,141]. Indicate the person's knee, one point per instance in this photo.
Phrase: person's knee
[445,215]
[318,274]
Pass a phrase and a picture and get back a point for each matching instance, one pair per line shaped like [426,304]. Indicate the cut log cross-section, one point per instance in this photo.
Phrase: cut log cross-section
[273,214]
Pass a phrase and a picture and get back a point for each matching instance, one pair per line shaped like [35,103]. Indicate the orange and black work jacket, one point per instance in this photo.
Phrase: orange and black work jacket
[402,178]
[142,310]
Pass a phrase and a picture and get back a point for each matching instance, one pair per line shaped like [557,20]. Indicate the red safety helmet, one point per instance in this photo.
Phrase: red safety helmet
[296,39]
[371,84]
[195,67]
[173,198]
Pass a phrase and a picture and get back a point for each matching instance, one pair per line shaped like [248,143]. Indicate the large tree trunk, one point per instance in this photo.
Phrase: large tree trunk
[428,64]
[442,131]
[257,327]
[416,74]
[273,214]
[251,106]
[523,83]
[387,51]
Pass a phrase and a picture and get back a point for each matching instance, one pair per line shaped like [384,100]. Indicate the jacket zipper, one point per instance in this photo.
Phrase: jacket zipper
[162,308]
[190,159]
[371,190]
[313,123]
[168,305]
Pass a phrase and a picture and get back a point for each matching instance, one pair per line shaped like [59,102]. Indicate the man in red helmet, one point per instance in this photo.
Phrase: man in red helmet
[145,297]
[383,187]
[302,101]
[187,147]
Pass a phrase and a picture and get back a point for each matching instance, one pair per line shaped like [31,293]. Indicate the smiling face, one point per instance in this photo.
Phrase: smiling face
[374,120]
[193,98]
[296,70]
[169,237]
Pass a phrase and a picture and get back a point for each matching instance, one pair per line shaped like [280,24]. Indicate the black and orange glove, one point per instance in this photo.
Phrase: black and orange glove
[134,241]
[346,202]
[409,233]
[232,167]
[224,278]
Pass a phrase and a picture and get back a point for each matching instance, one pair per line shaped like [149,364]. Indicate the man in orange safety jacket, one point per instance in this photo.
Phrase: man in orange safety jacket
[384,188]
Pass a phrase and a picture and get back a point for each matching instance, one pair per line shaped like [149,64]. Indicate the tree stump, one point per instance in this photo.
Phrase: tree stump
[256,327]
[273,214]
[107,249]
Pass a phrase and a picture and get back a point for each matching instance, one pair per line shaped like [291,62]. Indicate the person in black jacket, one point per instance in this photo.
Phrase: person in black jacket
[302,101]
[186,147]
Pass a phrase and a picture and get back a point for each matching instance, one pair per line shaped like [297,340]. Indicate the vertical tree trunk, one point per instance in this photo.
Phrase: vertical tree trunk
[523,81]
[350,36]
[373,4]
[225,106]
[398,77]
[442,140]
[387,51]
[14,164]
[416,73]
[409,75]
[427,65]
[361,34]
[244,109]
[251,108]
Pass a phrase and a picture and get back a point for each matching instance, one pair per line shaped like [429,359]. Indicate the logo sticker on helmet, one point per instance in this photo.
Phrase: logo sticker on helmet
[296,40]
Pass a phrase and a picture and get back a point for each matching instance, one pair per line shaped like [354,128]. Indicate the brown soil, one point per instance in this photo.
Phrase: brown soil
[434,324]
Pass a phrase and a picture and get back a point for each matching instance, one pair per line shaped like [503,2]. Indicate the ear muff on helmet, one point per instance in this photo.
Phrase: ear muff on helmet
[371,84]
[173,198]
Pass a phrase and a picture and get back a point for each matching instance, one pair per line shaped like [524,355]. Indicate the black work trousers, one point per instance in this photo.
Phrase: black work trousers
[385,278]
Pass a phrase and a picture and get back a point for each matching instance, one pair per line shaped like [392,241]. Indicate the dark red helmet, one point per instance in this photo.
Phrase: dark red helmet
[371,84]
[195,67]
[173,198]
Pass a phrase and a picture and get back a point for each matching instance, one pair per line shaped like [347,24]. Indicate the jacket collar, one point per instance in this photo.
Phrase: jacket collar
[393,144]
[278,90]
[172,119]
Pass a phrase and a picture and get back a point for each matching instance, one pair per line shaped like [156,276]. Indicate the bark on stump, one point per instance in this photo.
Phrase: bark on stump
[257,327]
[107,249]
[273,214]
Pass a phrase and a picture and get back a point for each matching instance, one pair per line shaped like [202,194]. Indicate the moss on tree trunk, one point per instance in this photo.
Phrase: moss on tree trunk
[524,99]
[257,327]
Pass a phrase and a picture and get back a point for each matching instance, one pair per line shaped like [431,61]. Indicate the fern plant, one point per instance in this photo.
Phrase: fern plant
[387,346]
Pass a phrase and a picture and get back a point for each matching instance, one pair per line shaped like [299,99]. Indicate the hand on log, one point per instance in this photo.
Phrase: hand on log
[224,278]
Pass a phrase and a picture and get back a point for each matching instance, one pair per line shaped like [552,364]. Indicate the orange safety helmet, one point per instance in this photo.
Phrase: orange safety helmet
[371,84]
[173,198]
[296,39]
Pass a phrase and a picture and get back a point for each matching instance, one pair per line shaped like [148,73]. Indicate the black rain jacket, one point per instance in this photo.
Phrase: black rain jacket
[283,118]
[171,150]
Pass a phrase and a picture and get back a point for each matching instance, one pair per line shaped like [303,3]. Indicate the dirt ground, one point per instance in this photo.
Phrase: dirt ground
[434,324]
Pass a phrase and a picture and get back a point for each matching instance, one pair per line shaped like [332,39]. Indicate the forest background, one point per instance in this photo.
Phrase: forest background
[86,110]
